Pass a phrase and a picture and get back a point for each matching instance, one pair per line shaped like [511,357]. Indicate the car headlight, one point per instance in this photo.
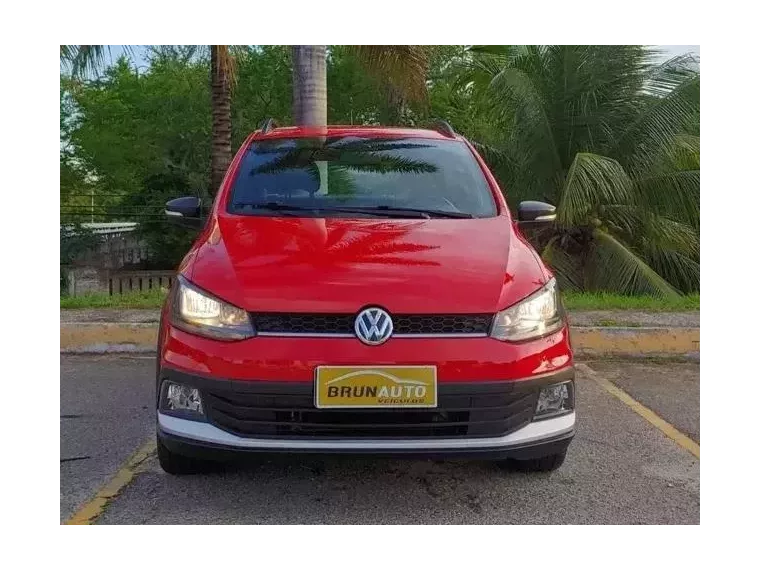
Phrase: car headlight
[535,316]
[200,313]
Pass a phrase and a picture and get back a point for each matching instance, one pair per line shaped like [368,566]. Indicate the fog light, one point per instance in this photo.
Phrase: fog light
[182,398]
[554,400]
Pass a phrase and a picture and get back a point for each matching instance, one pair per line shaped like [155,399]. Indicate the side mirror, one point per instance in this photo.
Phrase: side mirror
[185,212]
[536,212]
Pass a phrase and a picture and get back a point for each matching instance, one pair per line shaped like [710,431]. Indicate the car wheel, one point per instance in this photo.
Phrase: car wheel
[541,464]
[175,464]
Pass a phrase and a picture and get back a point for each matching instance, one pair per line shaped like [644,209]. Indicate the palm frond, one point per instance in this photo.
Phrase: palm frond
[674,193]
[352,160]
[384,164]
[484,62]
[376,145]
[531,142]
[84,60]
[592,181]
[664,118]
[671,184]
[339,181]
[403,67]
[567,269]
[681,154]
[664,233]
[652,230]
[490,152]
[663,78]
[226,62]
[678,269]
[612,266]
[501,51]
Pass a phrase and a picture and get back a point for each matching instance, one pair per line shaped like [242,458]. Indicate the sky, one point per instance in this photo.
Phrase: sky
[673,48]
[668,52]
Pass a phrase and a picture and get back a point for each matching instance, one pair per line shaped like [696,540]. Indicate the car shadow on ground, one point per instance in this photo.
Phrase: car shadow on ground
[319,465]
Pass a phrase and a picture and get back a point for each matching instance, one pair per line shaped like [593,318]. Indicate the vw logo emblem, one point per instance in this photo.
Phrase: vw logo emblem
[373,326]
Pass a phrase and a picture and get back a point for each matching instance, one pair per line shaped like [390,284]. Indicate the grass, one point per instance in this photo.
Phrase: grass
[612,301]
[144,300]
[573,301]
[616,323]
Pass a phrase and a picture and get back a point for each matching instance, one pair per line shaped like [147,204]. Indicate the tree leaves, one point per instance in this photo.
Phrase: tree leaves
[404,68]
[602,131]
[610,137]
[614,267]
[592,181]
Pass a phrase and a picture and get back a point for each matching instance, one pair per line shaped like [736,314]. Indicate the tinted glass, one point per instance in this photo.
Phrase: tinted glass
[350,176]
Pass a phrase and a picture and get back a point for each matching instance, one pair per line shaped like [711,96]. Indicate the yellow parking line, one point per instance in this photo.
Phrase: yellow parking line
[91,510]
[668,429]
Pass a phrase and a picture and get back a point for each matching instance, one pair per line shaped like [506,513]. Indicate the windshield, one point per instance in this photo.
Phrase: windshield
[352,176]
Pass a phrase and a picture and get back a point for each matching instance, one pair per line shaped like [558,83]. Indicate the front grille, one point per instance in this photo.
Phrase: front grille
[274,410]
[343,323]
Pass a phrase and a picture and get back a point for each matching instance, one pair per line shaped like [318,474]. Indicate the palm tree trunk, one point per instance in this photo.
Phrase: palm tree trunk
[310,85]
[221,120]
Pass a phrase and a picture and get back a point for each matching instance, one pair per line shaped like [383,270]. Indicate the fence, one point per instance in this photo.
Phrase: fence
[120,282]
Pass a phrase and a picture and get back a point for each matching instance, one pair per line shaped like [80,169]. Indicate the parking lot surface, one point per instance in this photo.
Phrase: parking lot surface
[620,468]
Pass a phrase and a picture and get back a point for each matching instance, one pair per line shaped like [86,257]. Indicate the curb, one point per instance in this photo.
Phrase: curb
[641,342]
[646,342]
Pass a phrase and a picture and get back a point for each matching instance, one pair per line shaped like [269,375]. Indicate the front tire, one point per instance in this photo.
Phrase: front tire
[176,464]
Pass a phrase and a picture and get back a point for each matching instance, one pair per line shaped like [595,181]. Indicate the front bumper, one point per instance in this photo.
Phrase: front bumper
[519,437]
[203,440]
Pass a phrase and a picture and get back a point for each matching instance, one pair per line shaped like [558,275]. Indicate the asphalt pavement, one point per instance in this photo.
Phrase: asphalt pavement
[106,413]
[620,468]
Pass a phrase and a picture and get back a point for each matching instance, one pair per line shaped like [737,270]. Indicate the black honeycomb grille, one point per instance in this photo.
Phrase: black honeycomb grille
[328,323]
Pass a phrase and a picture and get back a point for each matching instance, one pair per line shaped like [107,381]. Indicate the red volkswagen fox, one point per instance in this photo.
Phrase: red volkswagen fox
[362,290]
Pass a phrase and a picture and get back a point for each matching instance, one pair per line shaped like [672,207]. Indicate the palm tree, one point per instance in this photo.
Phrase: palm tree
[222,75]
[608,136]
[89,59]
[402,69]
[310,85]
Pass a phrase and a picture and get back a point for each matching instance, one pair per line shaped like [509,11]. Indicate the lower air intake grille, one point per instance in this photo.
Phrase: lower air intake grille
[287,410]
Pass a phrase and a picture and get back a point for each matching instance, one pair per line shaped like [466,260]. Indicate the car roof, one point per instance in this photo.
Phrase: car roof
[368,131]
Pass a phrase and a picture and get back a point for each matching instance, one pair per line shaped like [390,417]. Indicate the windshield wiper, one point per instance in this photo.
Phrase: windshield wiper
[290,208]
[392,211]
[423,212]
[265,206]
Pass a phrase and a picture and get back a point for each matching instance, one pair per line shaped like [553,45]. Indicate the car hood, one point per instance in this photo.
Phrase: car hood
[285,264]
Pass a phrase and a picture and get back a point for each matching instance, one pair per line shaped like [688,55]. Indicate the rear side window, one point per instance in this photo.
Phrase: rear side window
[350,176]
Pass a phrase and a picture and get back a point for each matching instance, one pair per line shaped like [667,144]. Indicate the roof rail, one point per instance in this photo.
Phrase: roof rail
[268,125]
[444,128]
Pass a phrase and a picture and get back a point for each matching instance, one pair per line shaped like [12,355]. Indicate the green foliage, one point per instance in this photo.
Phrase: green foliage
[133,125]
[152,299]
[166,243]
[143,137]
[612,140]
[354,98]
[263,89]
[613,301]
[601,131]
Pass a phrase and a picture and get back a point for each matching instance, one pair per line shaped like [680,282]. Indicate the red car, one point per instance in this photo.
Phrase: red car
[362,290]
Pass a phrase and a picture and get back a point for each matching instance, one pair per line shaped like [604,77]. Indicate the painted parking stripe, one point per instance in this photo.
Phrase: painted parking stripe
[665,427]
[91,510]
